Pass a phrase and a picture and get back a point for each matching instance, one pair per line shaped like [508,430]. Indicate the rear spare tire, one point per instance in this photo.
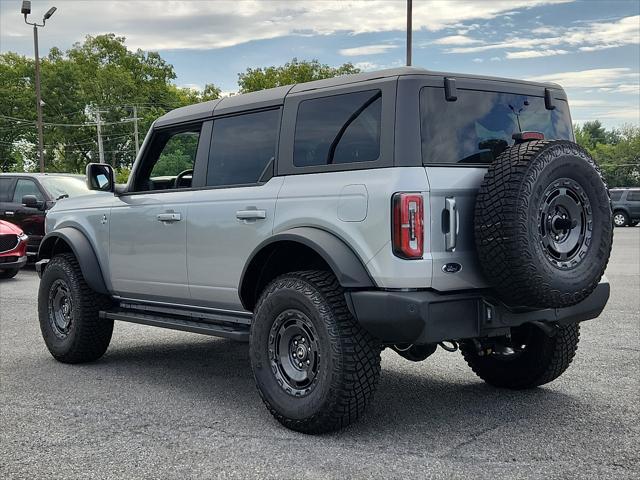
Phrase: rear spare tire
[543,224]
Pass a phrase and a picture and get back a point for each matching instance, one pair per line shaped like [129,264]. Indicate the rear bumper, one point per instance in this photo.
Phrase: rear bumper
[14,264]
[426,316]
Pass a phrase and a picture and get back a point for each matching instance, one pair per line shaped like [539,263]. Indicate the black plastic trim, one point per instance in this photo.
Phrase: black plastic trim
[82,250]
[426,316]
[342,260]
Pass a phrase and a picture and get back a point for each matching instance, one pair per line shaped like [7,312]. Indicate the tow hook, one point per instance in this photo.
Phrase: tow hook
[550,329]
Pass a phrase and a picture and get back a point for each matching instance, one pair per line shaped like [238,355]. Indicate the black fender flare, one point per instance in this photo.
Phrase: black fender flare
[343,261]
[83,251]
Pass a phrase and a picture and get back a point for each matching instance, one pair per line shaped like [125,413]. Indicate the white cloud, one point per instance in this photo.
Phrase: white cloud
[366,50]
[535,53]
[495,59]
[587,37]
[477,60]
[161,25]
[597,77]
[366,66]
[456,40]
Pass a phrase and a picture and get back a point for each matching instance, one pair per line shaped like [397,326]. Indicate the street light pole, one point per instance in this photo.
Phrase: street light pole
[26,10]
[409,30]
[38,101]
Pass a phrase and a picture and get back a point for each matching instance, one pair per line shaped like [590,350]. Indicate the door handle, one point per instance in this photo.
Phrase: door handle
[451,236]
[251,214]
[169,217]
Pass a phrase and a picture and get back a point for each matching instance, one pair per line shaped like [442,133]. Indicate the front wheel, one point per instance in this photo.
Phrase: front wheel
[69,313]
[620,219]
[315,367]
[532,358]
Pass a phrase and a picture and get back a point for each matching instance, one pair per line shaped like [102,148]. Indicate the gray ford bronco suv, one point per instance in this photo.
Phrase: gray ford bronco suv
[323,222]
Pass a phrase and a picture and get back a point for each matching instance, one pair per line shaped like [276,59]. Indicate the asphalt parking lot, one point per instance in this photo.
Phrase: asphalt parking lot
[163,404]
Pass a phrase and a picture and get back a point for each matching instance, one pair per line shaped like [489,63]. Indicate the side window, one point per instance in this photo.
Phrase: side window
[169,161]
[242,147]
[616,195]
[633,196]
[26,187]
[5,185]
[338,129]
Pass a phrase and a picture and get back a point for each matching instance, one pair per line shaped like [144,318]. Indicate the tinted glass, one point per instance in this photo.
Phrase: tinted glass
[615,196]
[633,196]
[5,184]
[338,129]
[65,186]
[26,187]
[242,147]
[478,126]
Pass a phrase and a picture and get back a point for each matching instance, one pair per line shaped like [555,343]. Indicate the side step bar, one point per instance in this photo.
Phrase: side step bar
[236,331]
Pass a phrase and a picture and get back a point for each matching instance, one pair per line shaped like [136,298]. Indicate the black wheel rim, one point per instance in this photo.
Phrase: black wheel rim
[60,308]
[566,223]
[294,352]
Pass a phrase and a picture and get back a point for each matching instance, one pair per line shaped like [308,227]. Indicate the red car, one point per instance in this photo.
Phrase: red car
[13,249]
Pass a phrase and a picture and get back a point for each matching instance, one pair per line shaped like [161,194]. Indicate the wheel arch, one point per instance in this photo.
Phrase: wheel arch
[69,239]
[300,248]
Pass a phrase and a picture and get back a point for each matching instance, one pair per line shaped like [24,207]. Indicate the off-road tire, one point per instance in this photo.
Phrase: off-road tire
[88,335]
[545,359]
[8,273]
[511,230]
[620,219]
[349,365]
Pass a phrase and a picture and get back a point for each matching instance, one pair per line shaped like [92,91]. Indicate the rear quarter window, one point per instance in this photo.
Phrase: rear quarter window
[338,129]
[615,196]
[479,125]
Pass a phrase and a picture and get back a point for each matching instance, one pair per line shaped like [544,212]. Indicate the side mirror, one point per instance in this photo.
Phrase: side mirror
[100,177]
[31,201]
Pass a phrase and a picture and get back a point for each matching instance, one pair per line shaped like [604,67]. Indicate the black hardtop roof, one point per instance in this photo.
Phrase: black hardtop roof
[276,96]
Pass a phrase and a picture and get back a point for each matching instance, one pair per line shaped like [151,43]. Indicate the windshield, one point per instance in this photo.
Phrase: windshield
[478,126]
[62,187]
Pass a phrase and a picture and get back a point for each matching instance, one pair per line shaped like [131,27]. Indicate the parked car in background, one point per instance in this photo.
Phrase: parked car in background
[25,198]
[13,249]
[626,206]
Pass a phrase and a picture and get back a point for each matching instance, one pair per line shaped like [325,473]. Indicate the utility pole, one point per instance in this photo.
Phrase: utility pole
[26,10]
[135,129]
[409,30]
[99,127]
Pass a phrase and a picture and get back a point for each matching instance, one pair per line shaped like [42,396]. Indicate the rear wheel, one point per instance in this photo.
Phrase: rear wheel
[69,313]
[620,219]
[8,273]
[316,369]
[531,358]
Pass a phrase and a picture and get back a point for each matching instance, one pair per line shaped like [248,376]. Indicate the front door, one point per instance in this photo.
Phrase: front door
[235,211]
[148,231]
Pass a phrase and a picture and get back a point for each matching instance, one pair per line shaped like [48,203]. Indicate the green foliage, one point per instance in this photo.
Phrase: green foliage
[97,74]
[295,71]
[616,151]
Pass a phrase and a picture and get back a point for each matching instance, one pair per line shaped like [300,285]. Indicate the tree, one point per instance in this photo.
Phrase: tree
[99,74]
[295,71]
[616,151]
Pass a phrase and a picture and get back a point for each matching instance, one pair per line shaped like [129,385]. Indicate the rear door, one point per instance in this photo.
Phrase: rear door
[460,137]
[30,220]
[233,212]
[633,202]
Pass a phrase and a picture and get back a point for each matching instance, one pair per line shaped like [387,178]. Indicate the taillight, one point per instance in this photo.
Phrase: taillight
[408,225]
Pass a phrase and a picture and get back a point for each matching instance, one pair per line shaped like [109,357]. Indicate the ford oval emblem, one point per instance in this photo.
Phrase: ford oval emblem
[451,267]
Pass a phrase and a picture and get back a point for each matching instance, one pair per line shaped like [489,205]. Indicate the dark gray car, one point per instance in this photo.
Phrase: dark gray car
[626,206]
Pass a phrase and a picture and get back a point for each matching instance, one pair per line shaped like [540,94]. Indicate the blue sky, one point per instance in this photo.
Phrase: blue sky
[590,47]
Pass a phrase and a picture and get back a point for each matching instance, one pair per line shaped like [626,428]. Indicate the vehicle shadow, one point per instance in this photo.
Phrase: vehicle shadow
[415,403]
